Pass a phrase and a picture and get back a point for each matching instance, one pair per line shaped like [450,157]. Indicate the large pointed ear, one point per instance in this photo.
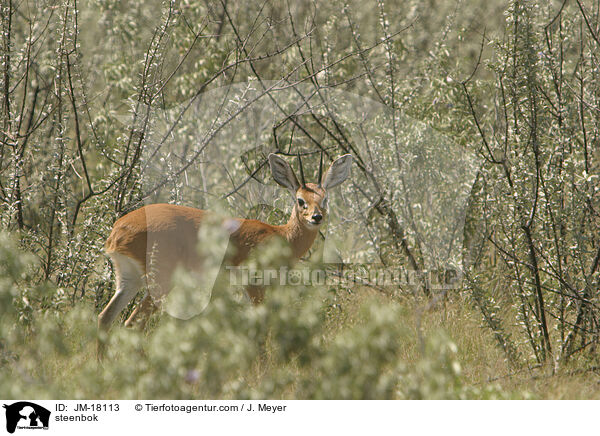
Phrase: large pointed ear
[283,173]
[337,172]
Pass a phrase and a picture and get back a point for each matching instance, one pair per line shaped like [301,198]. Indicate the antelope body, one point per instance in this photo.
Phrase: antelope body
[169,234]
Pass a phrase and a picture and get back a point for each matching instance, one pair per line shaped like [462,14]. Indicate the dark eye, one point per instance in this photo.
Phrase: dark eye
[301,202]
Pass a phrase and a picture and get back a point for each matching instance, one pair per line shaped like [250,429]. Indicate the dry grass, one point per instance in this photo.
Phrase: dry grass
[483,362]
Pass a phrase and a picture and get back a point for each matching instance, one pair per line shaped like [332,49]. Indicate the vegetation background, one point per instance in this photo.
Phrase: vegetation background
[89,85]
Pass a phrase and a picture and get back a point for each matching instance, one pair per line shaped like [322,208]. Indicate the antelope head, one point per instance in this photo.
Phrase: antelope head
[310,199]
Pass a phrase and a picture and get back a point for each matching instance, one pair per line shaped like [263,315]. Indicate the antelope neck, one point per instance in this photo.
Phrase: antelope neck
[299,236]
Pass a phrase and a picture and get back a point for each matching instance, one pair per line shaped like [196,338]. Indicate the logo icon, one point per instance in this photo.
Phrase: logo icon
[26,415]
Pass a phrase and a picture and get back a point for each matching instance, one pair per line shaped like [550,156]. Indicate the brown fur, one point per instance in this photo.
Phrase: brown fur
[166,235]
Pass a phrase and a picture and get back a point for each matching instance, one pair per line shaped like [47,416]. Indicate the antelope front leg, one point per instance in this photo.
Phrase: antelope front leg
[256,294]
[142,313]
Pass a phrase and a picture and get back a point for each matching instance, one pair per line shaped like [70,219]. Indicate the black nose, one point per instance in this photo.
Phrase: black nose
[317,217]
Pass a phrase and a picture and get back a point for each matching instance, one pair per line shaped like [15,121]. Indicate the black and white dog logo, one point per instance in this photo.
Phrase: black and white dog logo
[26,415]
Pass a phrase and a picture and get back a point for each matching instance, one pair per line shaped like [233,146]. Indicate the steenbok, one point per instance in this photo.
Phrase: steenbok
[168,234]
